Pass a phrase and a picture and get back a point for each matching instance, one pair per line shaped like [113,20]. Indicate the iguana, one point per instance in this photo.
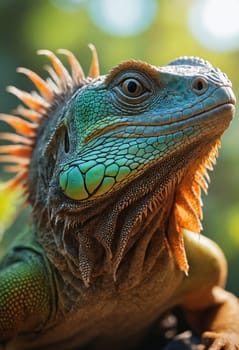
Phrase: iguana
[112,167]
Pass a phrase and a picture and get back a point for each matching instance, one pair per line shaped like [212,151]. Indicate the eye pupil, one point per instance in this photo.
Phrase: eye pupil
[132,86]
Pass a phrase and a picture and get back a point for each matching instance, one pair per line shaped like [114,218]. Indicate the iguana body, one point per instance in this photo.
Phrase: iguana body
[112,167]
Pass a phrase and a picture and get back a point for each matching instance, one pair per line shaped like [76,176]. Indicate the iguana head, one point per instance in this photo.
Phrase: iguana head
[104,157]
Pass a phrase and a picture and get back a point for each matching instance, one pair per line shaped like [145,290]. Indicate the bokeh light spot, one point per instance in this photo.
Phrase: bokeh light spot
[123,17]
[215,24]
[68,5]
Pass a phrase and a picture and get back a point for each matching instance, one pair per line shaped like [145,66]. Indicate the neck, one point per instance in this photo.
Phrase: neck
[121,237]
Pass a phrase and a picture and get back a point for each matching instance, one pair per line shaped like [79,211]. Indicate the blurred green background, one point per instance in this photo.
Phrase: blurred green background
[156,31]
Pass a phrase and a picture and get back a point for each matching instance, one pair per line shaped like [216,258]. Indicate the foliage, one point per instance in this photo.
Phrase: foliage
[9,202]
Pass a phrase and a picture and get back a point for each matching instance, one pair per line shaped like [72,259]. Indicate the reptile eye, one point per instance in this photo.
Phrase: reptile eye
[199,85]
[132,87]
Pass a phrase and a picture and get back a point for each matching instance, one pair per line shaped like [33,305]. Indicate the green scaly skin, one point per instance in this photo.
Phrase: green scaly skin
[96,267]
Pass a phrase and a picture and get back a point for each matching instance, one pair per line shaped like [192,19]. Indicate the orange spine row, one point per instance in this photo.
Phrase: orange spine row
[25,120]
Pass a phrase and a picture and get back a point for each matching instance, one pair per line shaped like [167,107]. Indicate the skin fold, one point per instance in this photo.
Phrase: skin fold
[112,167]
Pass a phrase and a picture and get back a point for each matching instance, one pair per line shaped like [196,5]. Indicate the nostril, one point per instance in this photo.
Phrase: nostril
[199,85]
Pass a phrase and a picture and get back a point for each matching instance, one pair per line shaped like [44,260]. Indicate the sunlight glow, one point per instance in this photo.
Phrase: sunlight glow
[68,5]
[215,23]
[123,17]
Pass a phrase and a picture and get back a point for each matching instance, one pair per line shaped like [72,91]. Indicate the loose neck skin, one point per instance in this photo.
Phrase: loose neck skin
[120,237]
